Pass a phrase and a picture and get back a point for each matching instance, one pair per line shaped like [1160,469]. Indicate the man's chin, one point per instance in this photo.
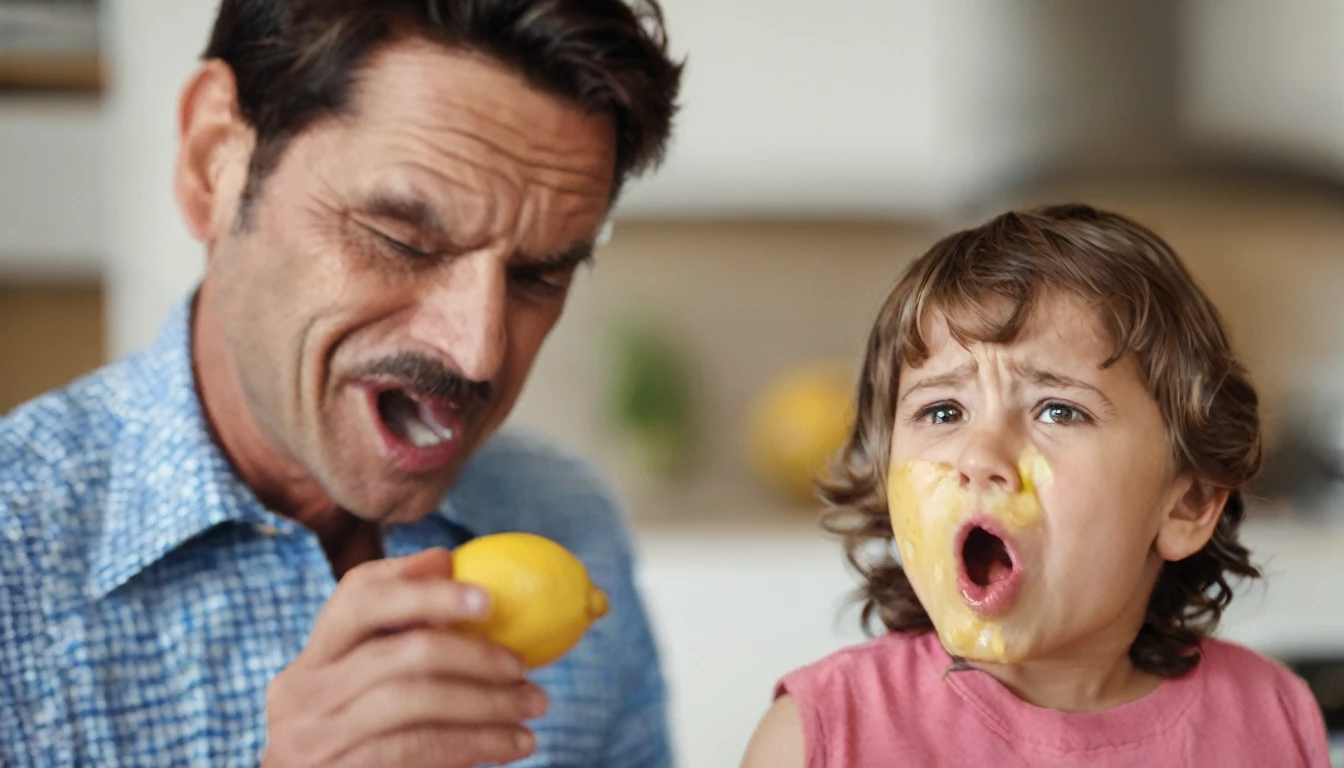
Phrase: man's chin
[392,502]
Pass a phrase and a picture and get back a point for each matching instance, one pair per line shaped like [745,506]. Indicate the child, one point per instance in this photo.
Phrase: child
[1051,435]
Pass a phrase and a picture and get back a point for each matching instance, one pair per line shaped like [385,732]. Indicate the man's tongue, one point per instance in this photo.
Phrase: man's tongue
[412,419]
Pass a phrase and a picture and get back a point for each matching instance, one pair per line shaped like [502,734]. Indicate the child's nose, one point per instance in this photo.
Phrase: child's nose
[988,462]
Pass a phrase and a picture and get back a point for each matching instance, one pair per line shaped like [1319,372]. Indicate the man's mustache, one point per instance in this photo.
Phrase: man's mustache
[424,375]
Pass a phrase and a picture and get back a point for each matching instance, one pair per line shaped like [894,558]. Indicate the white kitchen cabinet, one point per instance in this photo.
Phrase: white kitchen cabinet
[896,107]
[1265,81]
[733,611]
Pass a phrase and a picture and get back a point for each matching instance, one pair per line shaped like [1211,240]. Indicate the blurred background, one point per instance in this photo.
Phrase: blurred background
[706,362]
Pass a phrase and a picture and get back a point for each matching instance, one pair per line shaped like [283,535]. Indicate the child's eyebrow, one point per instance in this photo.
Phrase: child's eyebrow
[1039,376]
[954,376]
[1051,379]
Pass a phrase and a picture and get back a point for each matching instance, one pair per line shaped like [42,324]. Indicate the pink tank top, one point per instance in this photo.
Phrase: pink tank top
[887,703]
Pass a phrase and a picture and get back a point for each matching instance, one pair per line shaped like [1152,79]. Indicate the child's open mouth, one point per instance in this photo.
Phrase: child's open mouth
[988,572]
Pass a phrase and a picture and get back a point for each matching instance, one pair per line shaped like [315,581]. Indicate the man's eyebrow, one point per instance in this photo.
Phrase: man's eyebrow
[406,209]
[566,260]
[954,376]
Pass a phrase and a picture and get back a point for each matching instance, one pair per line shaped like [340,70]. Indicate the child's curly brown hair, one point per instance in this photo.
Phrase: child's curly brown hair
[1152,308]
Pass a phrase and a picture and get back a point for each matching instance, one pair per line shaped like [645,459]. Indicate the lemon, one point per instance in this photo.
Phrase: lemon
[797,424]
[542,600]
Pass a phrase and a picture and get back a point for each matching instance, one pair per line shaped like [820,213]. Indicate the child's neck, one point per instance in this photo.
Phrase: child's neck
[1075,680]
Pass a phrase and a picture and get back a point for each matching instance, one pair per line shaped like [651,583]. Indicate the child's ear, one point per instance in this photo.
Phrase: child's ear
[1189,523]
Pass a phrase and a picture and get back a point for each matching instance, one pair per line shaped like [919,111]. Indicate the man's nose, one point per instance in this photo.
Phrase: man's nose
[988,459]
[462,315]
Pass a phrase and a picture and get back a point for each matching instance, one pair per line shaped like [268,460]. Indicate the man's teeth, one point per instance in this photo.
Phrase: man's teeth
[420,435]
[417,424]
[431,422]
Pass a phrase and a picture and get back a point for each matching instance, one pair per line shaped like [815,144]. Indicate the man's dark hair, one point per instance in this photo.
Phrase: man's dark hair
[295,61]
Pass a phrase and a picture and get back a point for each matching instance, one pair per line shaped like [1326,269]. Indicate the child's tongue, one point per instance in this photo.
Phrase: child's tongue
[997,570]
[987,560]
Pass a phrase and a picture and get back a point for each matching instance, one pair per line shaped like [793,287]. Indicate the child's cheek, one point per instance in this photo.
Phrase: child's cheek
[927,506]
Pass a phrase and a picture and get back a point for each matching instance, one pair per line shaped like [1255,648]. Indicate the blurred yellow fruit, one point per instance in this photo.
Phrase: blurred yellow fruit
[798,424]
[542,601]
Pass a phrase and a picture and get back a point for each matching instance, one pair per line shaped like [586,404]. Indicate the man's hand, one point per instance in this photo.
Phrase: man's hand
[385,681]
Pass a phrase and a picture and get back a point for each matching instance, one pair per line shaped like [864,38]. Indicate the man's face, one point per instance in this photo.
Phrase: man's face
[1029,488]
[400,268]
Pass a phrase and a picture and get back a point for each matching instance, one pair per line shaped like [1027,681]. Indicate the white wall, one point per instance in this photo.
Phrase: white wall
[51,212]
[152,46]
[1266,79]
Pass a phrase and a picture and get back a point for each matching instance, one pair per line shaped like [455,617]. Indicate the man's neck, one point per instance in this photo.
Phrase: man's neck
[282,484]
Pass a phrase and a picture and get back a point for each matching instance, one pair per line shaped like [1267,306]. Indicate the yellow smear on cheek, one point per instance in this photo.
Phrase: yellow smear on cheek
[927,507]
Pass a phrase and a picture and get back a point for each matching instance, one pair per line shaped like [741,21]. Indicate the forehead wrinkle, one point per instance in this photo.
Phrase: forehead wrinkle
[533,150]
[516,143]
[471,174]
[468,85]
[529,171]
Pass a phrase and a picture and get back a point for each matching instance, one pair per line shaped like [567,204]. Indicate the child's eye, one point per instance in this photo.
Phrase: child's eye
[1061,413]
[940,413]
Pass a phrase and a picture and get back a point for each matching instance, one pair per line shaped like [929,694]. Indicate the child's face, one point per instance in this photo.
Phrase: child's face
[1033,494]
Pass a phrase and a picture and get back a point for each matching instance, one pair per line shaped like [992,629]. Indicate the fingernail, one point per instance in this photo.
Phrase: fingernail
[524,741]
[476,601]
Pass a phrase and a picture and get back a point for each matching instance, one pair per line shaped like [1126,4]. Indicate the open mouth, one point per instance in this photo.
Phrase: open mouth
[989,571]
[412,419]
[986,558]
[421,433]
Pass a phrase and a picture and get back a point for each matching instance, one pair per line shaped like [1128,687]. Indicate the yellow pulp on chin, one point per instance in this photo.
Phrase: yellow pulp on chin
[928,506]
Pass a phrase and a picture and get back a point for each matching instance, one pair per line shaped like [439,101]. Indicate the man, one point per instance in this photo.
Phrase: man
[232,547]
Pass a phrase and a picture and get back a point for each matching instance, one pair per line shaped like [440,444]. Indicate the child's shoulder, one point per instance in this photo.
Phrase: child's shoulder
[1261,700]
[907,657]
[1231,668]
[864,689]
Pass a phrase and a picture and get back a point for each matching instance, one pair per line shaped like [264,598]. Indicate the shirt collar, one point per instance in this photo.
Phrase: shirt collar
[168,481]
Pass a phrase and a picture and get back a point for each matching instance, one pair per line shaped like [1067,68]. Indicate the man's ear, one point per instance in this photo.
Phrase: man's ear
[214,150]
[1189,523]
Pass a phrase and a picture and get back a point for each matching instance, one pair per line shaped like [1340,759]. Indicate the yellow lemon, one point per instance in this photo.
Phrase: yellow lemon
[542,601]
[798,424]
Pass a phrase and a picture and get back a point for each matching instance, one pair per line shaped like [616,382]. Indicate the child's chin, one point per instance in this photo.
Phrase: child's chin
[989,645]
[1009,657]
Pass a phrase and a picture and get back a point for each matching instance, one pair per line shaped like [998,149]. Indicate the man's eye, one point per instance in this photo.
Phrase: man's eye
[400,248]
[540,282]
[1060,413]
[942,413]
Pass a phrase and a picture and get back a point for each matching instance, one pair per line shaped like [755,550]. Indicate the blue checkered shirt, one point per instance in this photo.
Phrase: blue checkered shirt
[147,597]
